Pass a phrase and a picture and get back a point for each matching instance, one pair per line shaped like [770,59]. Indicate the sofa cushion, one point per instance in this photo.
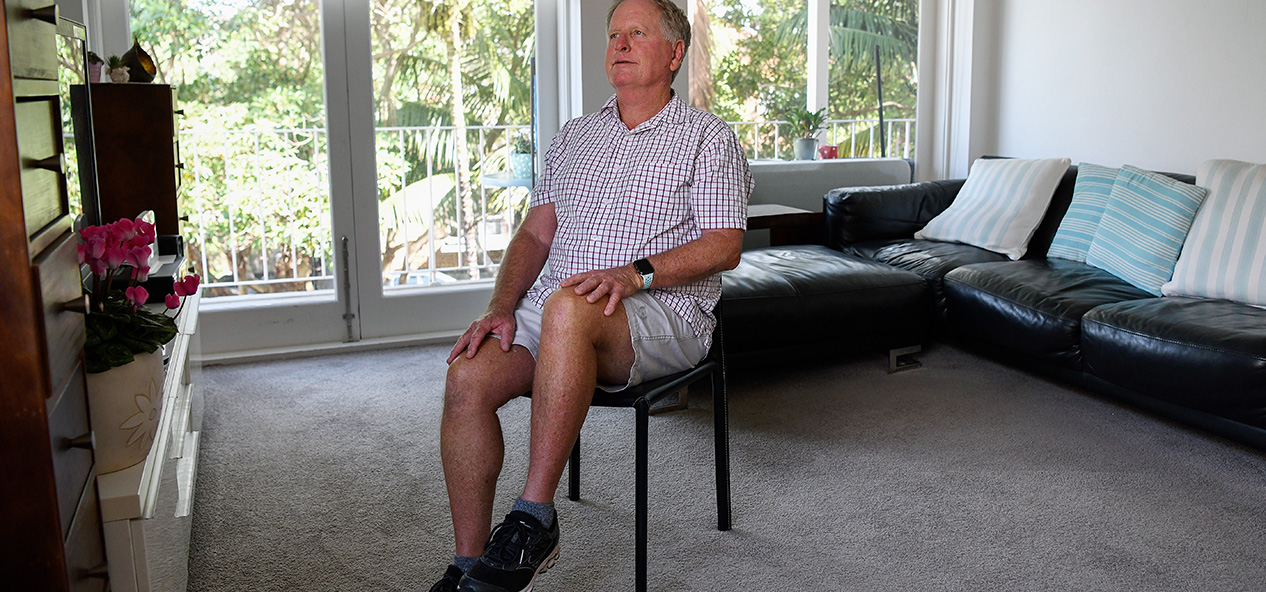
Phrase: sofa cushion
[1090,197]
[1224,255]
[930,259]
[1034,307]
[1199,353]
[809,294]
[1143,227]
[1000,205]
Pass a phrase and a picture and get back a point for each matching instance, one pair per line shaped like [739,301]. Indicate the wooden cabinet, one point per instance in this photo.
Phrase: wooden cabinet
[52,536]
[138,152]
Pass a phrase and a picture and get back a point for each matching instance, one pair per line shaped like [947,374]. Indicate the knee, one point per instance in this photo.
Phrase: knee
[566,311]
[465,389]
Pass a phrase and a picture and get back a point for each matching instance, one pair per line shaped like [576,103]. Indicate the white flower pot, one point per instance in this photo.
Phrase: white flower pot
[805,148]
[124,404]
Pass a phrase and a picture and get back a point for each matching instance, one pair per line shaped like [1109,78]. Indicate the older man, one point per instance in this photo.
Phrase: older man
[640,206]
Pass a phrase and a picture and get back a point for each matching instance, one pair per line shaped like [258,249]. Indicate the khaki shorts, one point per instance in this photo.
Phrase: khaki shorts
[663,342]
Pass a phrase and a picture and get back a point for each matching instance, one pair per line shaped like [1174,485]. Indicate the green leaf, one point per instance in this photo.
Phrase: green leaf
[119,331]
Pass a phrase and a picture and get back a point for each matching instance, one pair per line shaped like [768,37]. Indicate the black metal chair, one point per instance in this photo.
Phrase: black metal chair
[641,398]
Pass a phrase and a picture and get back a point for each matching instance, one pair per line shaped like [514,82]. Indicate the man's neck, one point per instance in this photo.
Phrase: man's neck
[637,106]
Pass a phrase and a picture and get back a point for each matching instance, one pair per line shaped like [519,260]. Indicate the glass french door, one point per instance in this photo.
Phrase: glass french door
[450,102]
[375,205]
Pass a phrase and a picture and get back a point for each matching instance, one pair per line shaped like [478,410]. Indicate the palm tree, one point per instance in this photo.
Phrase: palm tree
[856,28]
[702,92]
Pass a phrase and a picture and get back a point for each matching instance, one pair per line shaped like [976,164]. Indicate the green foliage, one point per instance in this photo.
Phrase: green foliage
[806,123]
[759,68]
[118,333]
[522,144]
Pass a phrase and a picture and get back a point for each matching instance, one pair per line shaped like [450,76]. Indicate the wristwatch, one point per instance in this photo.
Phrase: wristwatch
[644,268]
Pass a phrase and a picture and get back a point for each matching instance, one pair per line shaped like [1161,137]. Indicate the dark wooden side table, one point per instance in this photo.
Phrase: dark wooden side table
[787,225]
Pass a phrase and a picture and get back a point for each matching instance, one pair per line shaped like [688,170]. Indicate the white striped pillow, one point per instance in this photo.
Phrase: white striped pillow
[1224,255]
[1000,205]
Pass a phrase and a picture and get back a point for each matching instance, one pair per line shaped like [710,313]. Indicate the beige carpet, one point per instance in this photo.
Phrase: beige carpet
[324,474]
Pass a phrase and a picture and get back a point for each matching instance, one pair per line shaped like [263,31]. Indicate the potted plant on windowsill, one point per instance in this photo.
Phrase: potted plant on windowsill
[806,124]
[521,157]
[123,352]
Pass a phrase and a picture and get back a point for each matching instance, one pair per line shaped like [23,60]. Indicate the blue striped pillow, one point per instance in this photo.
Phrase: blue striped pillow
[1000,205]
[1090,197]
[1143,227]
[1225,253]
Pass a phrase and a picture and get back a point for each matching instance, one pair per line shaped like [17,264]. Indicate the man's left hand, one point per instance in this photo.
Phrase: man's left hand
[614,283]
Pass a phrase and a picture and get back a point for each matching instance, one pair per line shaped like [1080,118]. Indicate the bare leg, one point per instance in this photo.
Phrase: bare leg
[471,443]
[579,346]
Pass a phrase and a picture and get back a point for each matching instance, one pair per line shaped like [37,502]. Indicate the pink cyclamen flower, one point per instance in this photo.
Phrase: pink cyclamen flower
[123,230]
[141,273]
[94,247]
[172,301]
[114,257]
[90,232]
[138,256]
[136,295]
[145,233]
[188,286]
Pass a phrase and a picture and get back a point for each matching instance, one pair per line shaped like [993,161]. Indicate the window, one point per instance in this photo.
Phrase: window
[751,65]
[254,136]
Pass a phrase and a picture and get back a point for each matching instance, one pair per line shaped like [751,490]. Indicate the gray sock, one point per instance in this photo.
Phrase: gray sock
[542,512]
[464,563]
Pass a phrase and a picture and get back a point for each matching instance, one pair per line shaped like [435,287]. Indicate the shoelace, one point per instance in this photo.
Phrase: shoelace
[502,540]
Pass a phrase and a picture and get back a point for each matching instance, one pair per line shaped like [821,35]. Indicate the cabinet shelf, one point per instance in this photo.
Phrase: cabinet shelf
[146,507]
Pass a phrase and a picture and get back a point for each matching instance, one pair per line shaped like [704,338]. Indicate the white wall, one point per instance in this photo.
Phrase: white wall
[1161,84]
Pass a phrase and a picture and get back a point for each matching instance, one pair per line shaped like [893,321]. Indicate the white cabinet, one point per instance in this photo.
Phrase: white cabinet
[146,508]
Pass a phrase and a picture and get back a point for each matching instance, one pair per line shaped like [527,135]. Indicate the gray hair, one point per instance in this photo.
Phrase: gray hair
[673,22]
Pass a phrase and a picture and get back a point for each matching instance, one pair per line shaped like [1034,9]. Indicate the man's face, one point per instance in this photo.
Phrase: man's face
[638,55]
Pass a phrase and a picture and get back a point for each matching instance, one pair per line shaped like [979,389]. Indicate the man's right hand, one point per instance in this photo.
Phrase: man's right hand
[498,322]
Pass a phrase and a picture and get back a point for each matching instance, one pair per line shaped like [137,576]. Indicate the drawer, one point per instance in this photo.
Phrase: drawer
[43,166]
[72,452]
[85,547]
[57,272]
[32,38]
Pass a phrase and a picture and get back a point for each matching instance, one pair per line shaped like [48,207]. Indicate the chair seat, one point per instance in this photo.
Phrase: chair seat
[654,390]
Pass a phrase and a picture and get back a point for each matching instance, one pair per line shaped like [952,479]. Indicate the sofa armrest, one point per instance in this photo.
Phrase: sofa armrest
[855,214]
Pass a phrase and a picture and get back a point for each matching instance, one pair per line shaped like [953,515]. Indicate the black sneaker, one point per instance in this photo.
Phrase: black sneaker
[518,550]
[448,583]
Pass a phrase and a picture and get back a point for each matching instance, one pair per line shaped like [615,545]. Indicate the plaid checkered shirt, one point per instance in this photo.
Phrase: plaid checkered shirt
[622,194]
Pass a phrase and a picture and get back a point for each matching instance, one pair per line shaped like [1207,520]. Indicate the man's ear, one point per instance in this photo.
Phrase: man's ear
[679,55]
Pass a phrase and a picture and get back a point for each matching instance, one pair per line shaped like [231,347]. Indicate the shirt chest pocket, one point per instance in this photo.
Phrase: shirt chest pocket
[657,194]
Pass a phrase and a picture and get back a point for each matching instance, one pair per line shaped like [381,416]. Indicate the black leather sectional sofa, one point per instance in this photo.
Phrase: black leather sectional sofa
[1199,361]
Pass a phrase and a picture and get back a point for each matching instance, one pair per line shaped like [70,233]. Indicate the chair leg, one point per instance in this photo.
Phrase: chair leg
[721,435]
[641,493]
[573,472]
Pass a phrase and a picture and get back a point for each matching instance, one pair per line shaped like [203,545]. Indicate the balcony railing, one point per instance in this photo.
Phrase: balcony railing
[260,212]
[856,138]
